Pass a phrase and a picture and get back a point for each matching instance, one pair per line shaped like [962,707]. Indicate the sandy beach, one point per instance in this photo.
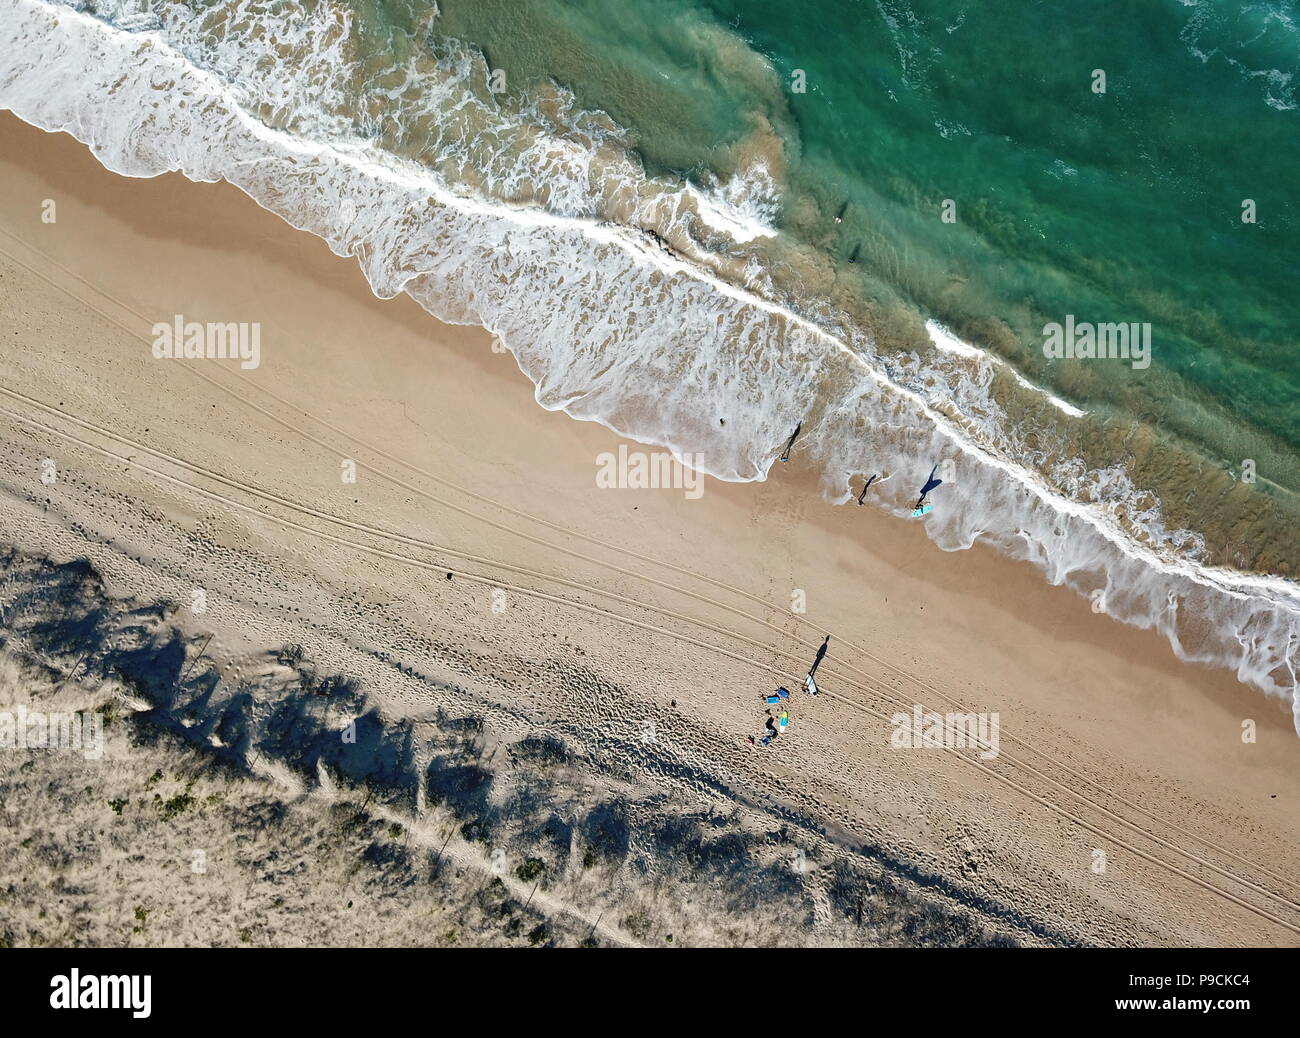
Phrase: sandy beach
[475,569]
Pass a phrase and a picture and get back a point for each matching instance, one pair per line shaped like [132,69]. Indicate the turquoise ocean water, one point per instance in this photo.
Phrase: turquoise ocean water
[1118,206]
[702,222]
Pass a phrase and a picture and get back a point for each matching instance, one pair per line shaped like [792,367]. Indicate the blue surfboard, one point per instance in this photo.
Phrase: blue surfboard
[924,510]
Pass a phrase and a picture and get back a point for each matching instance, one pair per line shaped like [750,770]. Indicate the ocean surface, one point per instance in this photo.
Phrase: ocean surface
[702,222]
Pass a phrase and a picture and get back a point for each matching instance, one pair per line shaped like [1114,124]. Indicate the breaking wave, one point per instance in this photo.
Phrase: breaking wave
[643,303]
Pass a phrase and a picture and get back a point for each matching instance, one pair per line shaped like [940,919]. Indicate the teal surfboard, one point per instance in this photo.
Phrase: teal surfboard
[924,510]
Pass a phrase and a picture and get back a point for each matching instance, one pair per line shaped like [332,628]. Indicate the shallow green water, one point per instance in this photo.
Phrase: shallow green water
[1116,206]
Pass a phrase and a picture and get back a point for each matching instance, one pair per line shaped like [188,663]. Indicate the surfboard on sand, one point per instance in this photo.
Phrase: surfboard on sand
[923,510]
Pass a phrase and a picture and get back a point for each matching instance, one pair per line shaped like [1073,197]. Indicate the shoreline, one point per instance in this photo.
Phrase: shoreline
[995,637]
[1158,586]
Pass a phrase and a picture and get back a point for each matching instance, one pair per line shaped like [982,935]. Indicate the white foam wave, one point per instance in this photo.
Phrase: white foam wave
[945,340]
[609,325]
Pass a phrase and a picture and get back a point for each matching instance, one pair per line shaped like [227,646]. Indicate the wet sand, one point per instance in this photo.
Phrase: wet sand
[1107,743]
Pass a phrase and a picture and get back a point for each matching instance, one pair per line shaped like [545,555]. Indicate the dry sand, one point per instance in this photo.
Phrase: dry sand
[574,618]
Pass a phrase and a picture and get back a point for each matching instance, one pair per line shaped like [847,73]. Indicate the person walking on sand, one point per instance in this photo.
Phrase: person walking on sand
[865,487]
[817,660]
[785,454]
[930,484]
[810,682]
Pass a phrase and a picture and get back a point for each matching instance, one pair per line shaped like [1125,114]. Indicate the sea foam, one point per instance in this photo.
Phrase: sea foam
[530,223]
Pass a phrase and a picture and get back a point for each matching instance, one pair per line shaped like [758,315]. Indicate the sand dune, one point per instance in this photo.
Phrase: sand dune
[550,670]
